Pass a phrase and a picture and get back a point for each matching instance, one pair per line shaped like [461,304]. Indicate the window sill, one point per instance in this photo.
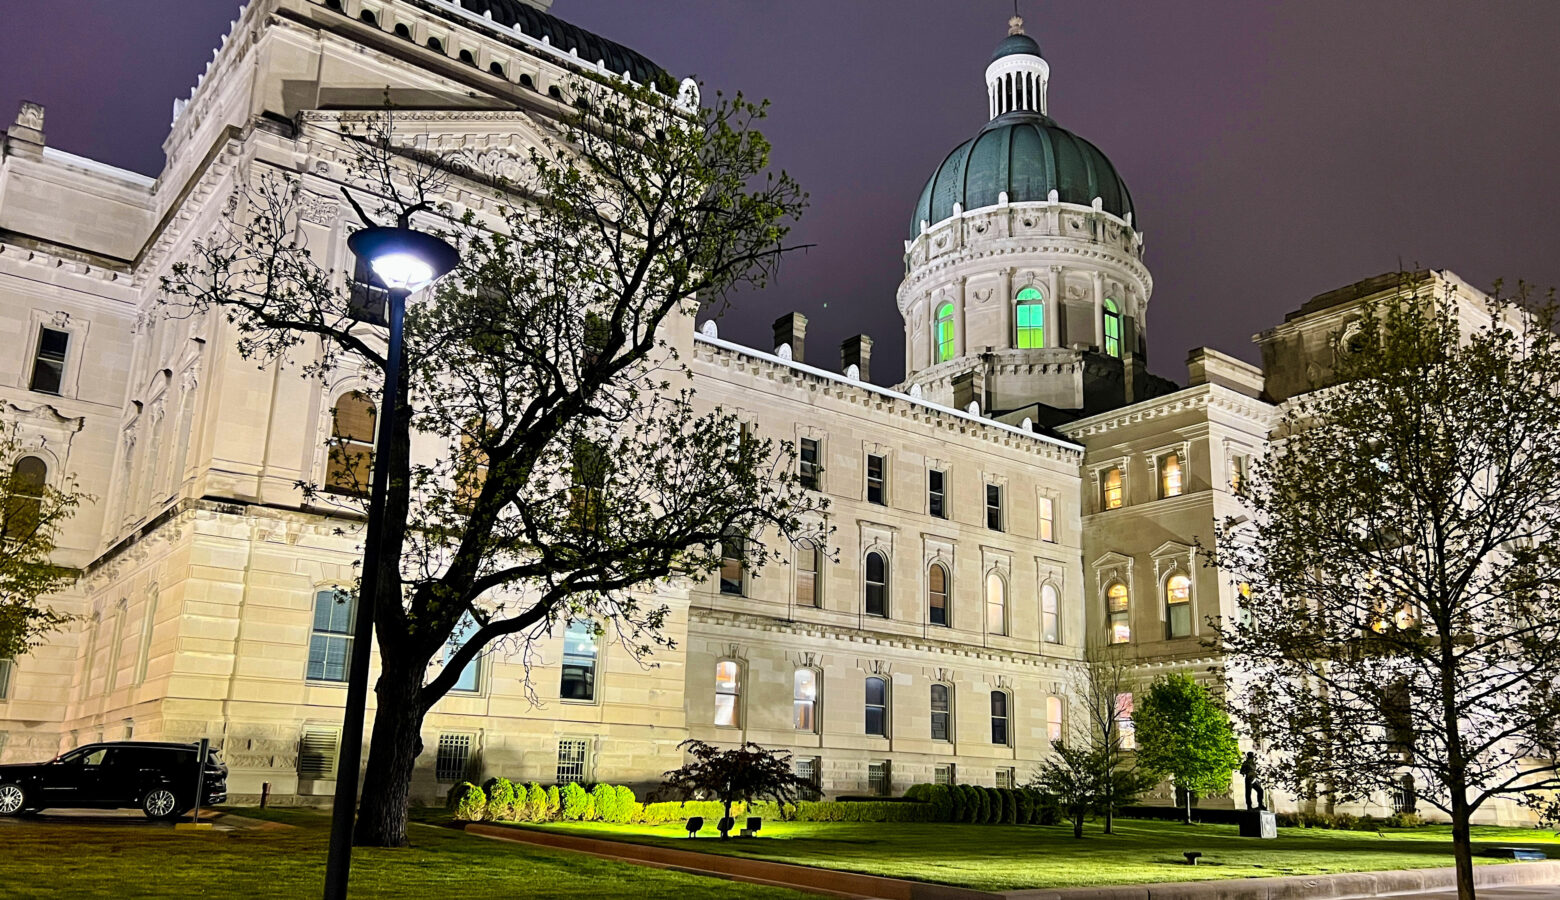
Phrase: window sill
[317,682]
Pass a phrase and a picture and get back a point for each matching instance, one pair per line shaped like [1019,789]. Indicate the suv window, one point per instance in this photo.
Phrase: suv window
[86,756]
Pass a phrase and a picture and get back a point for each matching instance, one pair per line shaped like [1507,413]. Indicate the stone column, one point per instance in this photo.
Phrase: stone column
[1053,308]
[1099,309]
[962,338]
[1009,316]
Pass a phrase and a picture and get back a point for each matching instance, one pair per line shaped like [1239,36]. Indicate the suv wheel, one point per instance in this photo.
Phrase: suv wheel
[12,799]
[160,803]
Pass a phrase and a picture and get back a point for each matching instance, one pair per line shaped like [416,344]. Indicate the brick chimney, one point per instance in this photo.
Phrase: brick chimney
[791,328]
[857,351]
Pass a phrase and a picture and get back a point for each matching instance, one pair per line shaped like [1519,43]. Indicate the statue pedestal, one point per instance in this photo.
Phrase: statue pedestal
[1258,823]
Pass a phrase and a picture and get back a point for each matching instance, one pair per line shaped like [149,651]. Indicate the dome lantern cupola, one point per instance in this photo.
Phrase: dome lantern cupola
[1017,77]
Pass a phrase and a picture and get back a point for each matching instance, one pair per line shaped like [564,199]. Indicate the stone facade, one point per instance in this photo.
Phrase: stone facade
[203,563]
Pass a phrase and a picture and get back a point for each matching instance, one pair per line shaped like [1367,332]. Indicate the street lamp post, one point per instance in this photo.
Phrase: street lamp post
[404,261]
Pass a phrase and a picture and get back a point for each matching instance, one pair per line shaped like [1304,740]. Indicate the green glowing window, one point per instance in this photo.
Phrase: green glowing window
[1031,319]
[945,332]
[1112,328]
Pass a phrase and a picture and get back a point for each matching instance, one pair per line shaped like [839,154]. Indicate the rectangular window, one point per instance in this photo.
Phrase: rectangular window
[470,677]
[1237,472]
[578,682]
[943,774]
[1110,489]
[805,702]
[937,494]
[5,678]
[807,576]
[877,489]
[810,770]
[994,507]
[49,362]
[877,707]
[1006,778]
[1124,721]
[999,718]
[809,464]
[330,644]
[1047,519]
[728,687]
[317,753]
[880,781]
[1053,719]
[1171,480]
[1051,614]
[941,708]
[572,755]
[453,758]
[731,565]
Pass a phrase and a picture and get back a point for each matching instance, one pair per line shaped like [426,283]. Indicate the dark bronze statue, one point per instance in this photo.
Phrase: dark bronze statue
[1253,776]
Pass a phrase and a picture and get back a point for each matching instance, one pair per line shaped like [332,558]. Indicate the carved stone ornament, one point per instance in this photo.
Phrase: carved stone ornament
[915,391]
[317,209]
[30,116]
[709,329]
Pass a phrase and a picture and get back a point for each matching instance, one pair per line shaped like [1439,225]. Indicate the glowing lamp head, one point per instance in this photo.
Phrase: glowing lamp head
[404,260]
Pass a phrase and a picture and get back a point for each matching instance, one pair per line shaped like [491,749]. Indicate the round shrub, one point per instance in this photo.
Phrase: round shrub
[1009,806]
[973,797]
[536,803]
[576,803]
[467,802]
[1025,799]
[993,806]
[500,801]
[627,806]
[956,803]
[604,803]
[940,798]
[554,803]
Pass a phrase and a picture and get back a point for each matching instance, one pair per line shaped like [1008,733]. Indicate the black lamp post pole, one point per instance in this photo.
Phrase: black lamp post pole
[338,864]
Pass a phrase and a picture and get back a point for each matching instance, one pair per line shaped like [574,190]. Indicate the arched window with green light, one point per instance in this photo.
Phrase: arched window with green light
[945,332]
[1031,319]
[1112,328]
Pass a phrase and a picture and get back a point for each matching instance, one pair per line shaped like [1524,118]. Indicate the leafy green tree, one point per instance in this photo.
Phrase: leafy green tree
[562,469]
[1075,776]
[32,511]
[1182,732]
[1401,555]
[744,774]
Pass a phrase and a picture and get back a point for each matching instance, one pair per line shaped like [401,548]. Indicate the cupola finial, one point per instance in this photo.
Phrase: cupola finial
[1016,24]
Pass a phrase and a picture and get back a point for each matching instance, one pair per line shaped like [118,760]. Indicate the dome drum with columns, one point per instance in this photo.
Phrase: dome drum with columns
[1025,290]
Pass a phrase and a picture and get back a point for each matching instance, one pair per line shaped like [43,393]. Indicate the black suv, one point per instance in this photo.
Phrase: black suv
[159,779]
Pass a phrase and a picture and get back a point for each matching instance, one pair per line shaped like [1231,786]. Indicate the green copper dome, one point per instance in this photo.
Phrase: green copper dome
[1015,44]
[1027,155]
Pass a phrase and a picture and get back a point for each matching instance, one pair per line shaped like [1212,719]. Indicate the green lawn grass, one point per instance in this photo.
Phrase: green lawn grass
[997,857]
[50,859]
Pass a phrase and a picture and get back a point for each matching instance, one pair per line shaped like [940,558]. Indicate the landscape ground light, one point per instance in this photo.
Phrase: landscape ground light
[405,261]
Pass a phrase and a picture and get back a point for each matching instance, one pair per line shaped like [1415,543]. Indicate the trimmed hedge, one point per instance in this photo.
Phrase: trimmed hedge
[501,800]
[854,811]
[467,802]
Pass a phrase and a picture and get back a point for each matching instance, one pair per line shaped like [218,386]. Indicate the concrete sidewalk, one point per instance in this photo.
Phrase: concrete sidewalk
[1526,880]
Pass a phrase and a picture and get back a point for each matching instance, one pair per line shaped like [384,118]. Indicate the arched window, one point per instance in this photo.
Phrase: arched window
[937,595]
[349,468]
[1053,719]
[877,584]
[877,706]
[728,687]
[330,643]
[578,681]
[944,327]
[1112,328]
[1051,614]
[1110,489]
[1170,483]
[1117,612]
[1178,606]
[24,504]
[941,712]
[1031,319]
[996,604]
[999,718]
[805,702]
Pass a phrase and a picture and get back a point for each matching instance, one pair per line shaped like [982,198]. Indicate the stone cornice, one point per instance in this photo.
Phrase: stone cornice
[816,631]
[716,352]
[1192,399]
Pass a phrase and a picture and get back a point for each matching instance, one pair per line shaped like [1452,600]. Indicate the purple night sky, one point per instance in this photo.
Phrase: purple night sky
[1274,150]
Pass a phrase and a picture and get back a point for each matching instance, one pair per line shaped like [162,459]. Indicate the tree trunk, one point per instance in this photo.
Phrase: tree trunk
[726,822]
[392,754]
[1462,844]
[1110,818]
[1188,807]
[1078,825]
